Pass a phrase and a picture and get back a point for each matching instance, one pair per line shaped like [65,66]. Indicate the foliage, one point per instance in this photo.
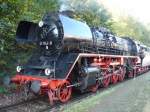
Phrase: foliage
[2,90]
[34,9]
[12,11]
[91,12]
[94,14]
[128,26]
[10,14]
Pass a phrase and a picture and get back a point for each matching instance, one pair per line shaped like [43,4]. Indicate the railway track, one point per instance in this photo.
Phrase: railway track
[41,104]
[10,107]
[58,105]
[77,98]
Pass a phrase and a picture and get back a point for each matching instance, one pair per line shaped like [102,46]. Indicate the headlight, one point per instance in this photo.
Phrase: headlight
[18,68]
[47,71]
[41,23]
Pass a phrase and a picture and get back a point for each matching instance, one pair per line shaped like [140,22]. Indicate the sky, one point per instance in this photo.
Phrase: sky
[140,9]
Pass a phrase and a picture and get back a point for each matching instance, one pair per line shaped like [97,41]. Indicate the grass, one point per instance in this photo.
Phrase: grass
[2,90]
[7,90]
[86,103]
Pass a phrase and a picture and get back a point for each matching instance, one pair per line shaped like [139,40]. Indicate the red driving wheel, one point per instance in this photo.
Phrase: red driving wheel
[114,78]
[121,74]
[64,92]
[106,80]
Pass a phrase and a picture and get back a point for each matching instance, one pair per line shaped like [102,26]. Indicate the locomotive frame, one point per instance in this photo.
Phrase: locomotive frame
[113,69]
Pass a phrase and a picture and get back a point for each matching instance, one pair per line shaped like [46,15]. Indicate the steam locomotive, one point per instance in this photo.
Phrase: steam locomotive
[58,32]
[73,56]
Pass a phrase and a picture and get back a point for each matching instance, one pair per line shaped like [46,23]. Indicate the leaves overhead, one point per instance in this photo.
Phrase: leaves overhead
[91,12]
[128,26]
[11,12]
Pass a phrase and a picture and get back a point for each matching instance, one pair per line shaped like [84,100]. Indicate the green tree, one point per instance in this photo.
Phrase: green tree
[128,26]
[11,12]
[91,12]
[34,9]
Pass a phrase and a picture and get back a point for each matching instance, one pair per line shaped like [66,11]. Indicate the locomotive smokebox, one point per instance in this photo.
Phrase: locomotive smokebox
[50,32]
[61,32]
[54,32]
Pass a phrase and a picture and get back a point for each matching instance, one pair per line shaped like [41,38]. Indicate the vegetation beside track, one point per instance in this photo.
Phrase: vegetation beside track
[2,90]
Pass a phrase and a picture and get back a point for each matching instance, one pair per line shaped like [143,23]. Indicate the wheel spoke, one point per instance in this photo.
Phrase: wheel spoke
[122,74]
[106,81]
[64,93]
[114,78]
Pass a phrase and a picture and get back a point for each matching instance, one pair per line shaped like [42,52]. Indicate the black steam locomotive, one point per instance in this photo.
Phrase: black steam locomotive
[70,54]
[56,32]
